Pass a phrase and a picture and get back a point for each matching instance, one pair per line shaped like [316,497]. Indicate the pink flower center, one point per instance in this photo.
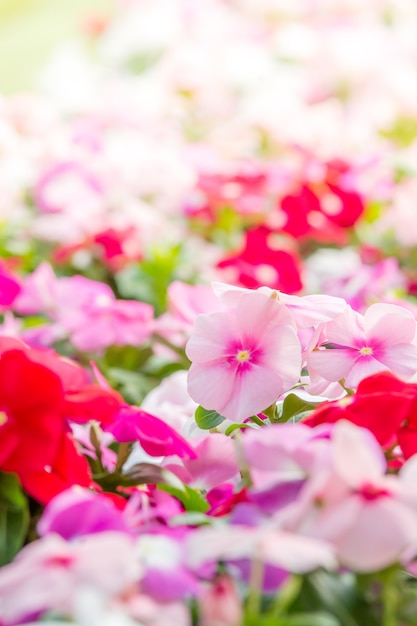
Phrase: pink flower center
[366,351]
[242,356]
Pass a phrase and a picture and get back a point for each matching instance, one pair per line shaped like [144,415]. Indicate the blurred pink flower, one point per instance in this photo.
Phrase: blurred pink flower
[294,553]
[215,463]
[370,518]
[245,358]
[220,603]
[47,574]
[84,308]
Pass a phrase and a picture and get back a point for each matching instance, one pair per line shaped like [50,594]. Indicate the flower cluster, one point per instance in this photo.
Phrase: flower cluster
[208,331]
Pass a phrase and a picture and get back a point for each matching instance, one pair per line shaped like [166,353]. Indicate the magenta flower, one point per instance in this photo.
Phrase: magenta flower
[382,339]
[155,436]
[76,512]
[245,358]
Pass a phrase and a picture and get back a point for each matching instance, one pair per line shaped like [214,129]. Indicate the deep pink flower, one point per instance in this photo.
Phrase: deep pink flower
[154,435]
[261,262]
[245,358]
[9,287]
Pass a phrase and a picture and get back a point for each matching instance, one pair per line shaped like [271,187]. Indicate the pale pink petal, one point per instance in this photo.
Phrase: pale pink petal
[215,463]
[213,332]
[254,391]
[206,545]
[400,359]
[282,353]
[388,324]
[211,384]
[363,367]
[357,457]
[383,531]
[333,365]
[312,310]
[296,553]
[272,448]
[256,313]
[347,329]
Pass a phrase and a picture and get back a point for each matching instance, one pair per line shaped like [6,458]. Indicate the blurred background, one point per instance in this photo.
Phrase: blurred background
[31,29]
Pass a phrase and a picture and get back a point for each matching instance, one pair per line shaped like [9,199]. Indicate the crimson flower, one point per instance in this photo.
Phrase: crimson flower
[384,404]
[39,392]
[262,263]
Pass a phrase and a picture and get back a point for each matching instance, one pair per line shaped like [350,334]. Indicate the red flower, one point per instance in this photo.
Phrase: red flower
[383,404]
[31,401]
[39,392]
[69,468]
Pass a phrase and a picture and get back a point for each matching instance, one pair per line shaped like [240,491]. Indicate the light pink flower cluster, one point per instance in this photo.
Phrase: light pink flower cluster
[82,309]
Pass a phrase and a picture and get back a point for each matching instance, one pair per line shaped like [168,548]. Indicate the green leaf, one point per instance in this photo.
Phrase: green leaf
[14,517]
[190,498]
[309,619]
[294,406]
[133,386]
[207,419]
[234,427]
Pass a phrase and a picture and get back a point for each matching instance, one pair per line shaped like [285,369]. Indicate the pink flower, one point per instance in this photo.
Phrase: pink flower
[215,463]
[380,340]
[107,322]
[245,358]
[49,573]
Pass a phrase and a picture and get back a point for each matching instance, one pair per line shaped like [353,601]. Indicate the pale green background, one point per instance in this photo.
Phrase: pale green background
[29,31]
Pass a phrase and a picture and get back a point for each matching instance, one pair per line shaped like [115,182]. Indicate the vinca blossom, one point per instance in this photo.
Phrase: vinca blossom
[382,339]
[245,358]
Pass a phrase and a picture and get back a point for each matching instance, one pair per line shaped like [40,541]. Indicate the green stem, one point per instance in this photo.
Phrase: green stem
[253,606]
[286,595]
[176,349]
[257,420]
[389,603]
[122,456]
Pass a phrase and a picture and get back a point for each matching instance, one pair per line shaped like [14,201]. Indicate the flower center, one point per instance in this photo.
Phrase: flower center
[3,418]
[242,356]
[366,351]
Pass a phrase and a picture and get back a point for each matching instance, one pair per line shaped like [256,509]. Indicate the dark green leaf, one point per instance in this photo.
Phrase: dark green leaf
[14,517]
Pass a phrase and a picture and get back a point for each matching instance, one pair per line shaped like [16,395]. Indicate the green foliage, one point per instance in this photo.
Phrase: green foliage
[294,408]
[14,517]
[148,281]
[190,498]
[207,419]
